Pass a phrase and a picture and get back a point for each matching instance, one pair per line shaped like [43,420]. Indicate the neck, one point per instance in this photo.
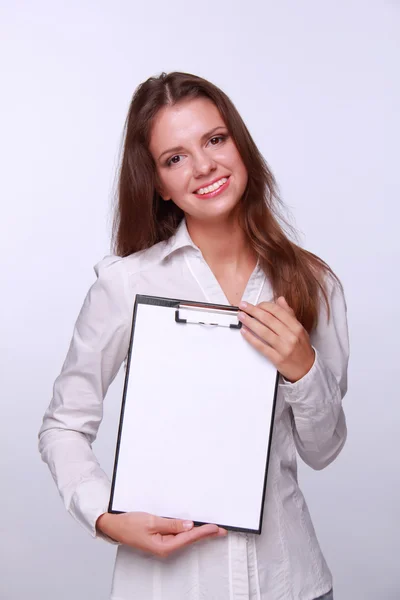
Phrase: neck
[223,245]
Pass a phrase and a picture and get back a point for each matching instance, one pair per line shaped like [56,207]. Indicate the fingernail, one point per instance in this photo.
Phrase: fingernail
[241,315]
[187,524]
[243,305]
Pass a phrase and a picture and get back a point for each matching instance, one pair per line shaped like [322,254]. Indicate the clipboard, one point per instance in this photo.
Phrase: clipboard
[196,419]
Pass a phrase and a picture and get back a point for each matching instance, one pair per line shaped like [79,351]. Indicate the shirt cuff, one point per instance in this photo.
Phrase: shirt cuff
[89,502]
[309,391]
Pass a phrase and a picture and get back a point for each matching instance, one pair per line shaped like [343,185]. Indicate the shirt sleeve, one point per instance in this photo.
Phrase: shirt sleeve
[319,424]
[98,347]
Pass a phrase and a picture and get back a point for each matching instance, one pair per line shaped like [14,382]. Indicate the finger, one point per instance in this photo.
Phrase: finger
[268,351]
[273,309]
[263,312]
[164,545]
[265,333]
[200,532]
[262,315]
[221,532]
[165,538]
[283,303]
[169,526]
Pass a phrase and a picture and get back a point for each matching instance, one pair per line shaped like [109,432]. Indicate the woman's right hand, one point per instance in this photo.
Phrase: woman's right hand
[156,535]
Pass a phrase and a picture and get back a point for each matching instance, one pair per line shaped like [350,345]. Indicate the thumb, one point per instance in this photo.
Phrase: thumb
[171,526]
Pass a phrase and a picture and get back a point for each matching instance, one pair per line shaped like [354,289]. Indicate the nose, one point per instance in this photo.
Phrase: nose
[202,163]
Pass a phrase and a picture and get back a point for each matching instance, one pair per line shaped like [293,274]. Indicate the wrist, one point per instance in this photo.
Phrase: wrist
[304,372]
[103,522]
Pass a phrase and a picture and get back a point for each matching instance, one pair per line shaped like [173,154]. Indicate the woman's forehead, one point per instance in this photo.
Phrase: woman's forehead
[183,121]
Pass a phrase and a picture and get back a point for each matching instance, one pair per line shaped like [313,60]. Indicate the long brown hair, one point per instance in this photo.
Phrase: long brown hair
[142,218]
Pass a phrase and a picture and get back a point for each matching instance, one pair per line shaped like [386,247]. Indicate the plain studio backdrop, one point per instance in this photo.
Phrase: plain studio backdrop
[317,84]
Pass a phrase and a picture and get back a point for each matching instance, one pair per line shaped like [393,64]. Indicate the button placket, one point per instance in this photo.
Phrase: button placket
[239,575]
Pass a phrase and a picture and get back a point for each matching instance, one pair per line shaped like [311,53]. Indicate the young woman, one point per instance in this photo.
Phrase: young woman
[196,219]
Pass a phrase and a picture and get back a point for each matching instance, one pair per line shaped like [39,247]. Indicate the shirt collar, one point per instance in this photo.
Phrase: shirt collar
[180,239]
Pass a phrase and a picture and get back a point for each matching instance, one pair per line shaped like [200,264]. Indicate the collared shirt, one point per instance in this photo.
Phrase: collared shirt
[284,562]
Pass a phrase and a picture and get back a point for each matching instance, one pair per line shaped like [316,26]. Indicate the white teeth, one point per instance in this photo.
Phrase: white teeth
[213,187]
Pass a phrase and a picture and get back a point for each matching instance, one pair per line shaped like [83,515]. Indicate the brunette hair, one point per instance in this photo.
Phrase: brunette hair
[142,218]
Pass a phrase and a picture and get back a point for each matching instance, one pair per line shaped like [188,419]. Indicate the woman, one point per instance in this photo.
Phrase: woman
[196,219]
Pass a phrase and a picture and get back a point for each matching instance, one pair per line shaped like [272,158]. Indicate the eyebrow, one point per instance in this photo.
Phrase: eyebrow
[203,138]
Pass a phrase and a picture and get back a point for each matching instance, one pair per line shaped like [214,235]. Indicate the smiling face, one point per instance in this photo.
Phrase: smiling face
[198,165]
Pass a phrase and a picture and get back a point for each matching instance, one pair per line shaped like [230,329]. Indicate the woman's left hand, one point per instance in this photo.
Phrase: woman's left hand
[273,330]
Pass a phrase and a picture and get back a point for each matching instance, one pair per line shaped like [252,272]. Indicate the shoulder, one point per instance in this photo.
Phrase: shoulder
[334,290]
[332,313]
[115,267]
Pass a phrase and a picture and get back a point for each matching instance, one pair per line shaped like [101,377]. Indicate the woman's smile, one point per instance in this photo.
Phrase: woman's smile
[214,189]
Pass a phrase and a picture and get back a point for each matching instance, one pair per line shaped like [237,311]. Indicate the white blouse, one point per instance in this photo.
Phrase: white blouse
[285,561]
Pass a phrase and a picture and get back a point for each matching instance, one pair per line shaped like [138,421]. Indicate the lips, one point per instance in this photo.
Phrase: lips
[207,195]
[204,188]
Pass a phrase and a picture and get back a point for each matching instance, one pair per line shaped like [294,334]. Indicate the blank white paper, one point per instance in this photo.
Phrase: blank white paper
[196,423]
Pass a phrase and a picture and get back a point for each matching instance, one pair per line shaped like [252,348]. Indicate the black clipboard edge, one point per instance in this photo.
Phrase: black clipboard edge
[199,523]
[121,418]
[174,303]
[271,433]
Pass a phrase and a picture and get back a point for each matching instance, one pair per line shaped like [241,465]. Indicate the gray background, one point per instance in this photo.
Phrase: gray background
[317,84]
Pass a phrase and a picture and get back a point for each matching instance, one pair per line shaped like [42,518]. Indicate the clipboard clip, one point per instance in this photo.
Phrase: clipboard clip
[207,316]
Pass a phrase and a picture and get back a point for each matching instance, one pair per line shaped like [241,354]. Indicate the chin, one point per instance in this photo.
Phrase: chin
[215,216]
[211,210]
